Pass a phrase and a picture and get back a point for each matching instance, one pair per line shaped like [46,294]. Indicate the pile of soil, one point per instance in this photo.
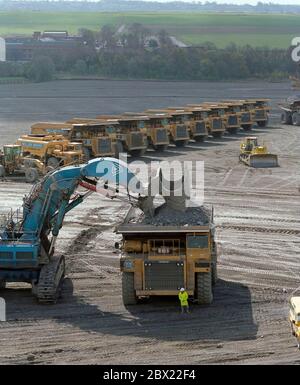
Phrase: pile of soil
[192,216]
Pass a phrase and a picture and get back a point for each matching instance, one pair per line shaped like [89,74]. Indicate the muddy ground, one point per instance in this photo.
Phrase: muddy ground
[258,226]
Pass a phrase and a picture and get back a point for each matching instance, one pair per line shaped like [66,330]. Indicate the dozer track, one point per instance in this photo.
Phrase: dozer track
[50,280]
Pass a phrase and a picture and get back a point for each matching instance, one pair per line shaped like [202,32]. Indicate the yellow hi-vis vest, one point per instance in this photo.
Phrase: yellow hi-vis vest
[183,298]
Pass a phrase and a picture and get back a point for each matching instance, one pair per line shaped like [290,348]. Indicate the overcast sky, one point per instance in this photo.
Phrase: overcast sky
[253,2]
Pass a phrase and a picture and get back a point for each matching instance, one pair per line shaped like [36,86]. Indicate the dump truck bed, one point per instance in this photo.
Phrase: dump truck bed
[136,222]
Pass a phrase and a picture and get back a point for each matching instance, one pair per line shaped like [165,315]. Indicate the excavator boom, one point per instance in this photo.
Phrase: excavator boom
[27,243]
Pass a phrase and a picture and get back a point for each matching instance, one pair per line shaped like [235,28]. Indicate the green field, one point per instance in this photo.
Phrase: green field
[275,31]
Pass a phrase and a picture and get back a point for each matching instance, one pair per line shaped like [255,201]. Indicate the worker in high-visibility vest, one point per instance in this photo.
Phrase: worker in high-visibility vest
[183,298]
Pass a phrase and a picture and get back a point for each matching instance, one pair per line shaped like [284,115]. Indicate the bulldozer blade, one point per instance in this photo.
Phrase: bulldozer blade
[263,160]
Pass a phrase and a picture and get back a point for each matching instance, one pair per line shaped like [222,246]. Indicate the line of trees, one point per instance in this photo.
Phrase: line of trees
[136,53]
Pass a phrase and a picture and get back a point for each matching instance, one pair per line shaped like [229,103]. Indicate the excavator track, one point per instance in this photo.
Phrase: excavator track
[50,280]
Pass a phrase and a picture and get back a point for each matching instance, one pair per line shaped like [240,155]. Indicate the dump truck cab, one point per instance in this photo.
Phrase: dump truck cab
[260,111]
[294,316]
[215,122]
[177,125]
[52,150]
[131,133]
[157,260]
[155,129]
[198,122]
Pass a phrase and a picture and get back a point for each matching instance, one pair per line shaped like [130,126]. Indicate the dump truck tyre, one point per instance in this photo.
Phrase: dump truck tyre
[160,147]
[204,288]
[53,162]
[232,131]
[31,175]
[2,171]
[137,153]
[181,143]
[128,292]
[247,127]
[200,139]
[118,149]
[86,154]
[263,123]
[217,134]
[296,119]
[214,272]
[286,118]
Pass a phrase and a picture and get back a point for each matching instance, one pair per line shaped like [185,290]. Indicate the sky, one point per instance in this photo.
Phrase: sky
[252,2]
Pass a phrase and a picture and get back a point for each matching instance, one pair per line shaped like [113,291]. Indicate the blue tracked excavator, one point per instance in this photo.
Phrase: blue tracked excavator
[27,240]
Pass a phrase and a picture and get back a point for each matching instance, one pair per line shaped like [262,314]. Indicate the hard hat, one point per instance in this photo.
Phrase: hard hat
[182,289]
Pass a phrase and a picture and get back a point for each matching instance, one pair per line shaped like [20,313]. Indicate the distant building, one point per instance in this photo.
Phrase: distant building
[22,48]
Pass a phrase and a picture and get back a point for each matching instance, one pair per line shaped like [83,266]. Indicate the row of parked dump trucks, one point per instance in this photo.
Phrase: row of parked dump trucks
[51,145]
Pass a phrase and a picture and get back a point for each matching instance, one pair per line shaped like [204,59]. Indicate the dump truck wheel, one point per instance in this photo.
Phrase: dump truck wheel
[86,154]
[160,147]
[181,143]
[53,162]
[263,123]
[137,153]
[217,134]
[247,127]
[2,171]
[214,271]
[232,130]
[286,118]
[296,119]
[128,292]
[200,139]
[31,175]
[118,149]
[204,288]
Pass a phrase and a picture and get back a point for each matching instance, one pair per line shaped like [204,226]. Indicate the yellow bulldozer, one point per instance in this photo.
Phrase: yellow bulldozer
[255,155]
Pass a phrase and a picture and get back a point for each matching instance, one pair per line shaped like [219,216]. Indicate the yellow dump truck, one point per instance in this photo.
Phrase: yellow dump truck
[131,133]
[231,113]
[157,259]
[98,138]
[198,122]
[155,127]
[49,128]
[214,123]
[177,125]
[247,115]
[53,150]
[260,108]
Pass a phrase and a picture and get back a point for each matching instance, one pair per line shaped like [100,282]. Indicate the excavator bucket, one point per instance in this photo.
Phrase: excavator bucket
[262,160]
